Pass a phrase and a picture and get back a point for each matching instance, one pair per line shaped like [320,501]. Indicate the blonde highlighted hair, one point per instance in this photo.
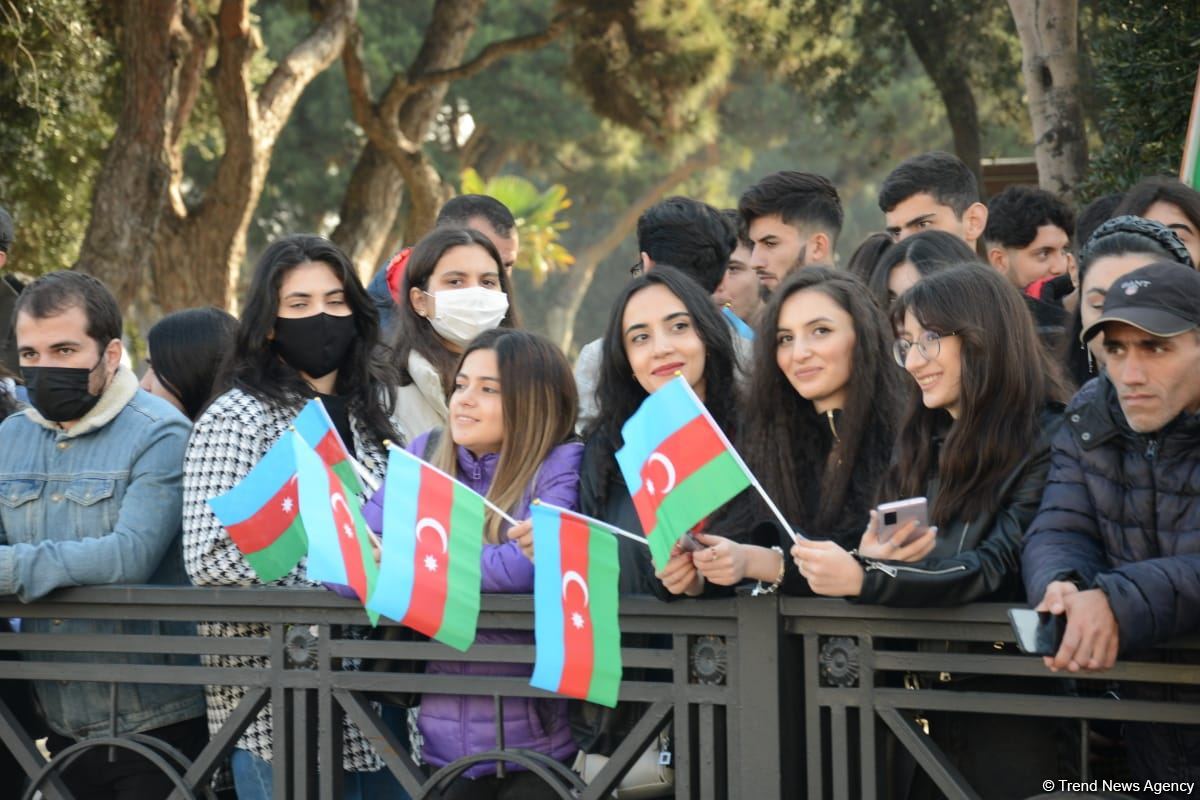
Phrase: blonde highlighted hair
[539,403]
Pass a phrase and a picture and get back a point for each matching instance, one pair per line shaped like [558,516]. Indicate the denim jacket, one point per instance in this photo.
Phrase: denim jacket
[98,504]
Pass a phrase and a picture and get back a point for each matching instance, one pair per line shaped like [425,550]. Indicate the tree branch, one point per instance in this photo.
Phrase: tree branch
[303,63]
[401,90]
[381,131]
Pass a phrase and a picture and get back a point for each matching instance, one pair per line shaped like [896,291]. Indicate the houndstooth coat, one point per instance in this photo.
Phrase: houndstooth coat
[226,442]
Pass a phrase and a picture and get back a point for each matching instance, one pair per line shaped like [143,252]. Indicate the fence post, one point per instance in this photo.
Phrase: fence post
[756,770]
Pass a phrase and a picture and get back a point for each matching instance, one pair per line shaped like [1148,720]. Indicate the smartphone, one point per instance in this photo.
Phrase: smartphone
[688,543]
[1039,633]
[894,516]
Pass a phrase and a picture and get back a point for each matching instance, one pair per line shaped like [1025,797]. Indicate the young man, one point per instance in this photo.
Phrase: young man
[477,211]
[740,290]
[793,219]
[91,494]
[933,191]
[1116,544]
[1028,235]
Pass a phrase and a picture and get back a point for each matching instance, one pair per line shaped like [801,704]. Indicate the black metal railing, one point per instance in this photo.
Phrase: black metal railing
[764,698]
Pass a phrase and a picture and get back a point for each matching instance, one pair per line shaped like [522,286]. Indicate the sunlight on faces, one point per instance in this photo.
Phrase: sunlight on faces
[312,288]
[1170,215]
[61,340]
[661,339]
[903,277]
[778,249]
[154,386]
[459,268]
[1046,256]
[476,412]
[740,288]
[938,378]
[922,212]
[1156,378]
[1099,278]
[815,348]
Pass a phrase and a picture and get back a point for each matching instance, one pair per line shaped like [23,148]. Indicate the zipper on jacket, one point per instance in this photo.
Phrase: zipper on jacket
[832,426]
[892,570]
[1152,448]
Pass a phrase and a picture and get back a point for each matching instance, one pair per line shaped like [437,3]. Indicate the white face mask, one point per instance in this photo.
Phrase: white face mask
[463,314]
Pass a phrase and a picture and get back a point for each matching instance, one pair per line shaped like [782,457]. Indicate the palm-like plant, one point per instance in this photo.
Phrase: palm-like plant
[538,222]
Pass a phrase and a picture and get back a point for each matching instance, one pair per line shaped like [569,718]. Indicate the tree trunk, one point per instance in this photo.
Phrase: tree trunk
[1049,34]
[560,318]
[132,191]
[931,37]
[373,198]
[165,255]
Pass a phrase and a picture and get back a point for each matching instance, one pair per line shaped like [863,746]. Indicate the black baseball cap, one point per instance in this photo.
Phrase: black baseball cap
[6,230]
[1162,299]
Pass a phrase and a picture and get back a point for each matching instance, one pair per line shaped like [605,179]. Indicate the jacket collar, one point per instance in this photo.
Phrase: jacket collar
[120,391]
[427,379]
[1095,417]
[475,467]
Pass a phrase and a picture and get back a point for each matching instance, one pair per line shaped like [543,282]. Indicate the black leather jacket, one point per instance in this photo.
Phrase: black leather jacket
[974,559]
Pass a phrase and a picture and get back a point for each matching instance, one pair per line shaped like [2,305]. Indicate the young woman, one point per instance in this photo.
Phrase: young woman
[308,330]
[907,261]
[454,288]
[1115,249]
[820,420]
[975,443]
[662,323]
[511,421]
[186,351]
[1170,202]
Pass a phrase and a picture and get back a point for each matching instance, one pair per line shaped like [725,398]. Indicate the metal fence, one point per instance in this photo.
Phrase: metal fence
[763,698]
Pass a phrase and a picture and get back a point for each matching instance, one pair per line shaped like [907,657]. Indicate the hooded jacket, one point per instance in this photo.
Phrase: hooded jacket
[454,726]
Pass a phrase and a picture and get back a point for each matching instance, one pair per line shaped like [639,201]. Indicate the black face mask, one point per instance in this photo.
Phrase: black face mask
[314,345]
[60,394]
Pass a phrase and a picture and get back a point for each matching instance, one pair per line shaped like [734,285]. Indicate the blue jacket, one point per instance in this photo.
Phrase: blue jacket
[99,504]
[1121,513]
[453,726]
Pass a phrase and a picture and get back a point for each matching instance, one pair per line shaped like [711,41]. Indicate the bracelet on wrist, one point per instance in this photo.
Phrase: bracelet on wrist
[771,588]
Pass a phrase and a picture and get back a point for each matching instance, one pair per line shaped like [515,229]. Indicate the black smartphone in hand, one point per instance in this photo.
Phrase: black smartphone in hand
[1039,633]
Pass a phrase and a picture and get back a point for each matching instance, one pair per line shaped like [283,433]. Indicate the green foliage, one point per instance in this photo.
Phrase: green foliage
[1145,57]
[538,221]
[56,91]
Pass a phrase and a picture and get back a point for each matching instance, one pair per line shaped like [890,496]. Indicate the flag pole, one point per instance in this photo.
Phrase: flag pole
[499,511]
[738,459]
[597,523]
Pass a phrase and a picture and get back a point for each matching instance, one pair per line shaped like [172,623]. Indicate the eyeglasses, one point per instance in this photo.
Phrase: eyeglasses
[637,269]
[928,344]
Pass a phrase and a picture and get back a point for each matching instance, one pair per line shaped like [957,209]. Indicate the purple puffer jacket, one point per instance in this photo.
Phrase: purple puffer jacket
[457,725]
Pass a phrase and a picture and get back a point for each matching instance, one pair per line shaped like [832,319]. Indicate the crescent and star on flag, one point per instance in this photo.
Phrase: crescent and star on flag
[668,467]
[569,577]
[430,561]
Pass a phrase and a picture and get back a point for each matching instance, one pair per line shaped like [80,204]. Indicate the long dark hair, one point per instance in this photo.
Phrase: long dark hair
[1120,236]
[186,351]
[1007,379]
[618,393]
[364,378]
[784,438]
[413,332]
[927,251]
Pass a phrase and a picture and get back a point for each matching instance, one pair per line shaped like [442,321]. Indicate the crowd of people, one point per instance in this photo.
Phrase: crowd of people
[1033,374]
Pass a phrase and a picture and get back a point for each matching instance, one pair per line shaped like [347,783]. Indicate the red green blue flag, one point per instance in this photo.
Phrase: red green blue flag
[677,464]
[575,603]
[315,427]
[262,514]
[433,541]
[339,543]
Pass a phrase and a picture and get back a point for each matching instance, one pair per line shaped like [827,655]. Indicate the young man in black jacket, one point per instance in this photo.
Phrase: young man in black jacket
[1116,543]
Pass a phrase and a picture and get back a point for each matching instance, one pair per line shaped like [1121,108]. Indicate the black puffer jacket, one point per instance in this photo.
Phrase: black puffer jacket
[976,559]
[1121,513]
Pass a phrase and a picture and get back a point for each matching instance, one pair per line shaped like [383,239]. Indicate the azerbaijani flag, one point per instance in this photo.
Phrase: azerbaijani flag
[339,545]
[1189,169]
[738,324]
[575,607]
[262,514]
[315,427]
[432,543]
[677,464]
